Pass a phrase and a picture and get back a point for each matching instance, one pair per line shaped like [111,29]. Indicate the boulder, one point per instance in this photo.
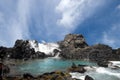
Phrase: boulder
[75,68]
[103,63]
[87,77]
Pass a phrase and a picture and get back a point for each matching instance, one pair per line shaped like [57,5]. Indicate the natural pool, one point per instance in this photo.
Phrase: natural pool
[37,67]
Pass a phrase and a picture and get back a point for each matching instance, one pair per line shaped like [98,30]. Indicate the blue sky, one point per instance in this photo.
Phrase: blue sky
[51,20]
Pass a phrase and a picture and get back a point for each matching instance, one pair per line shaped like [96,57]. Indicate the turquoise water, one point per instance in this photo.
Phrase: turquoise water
[37,67]
[40,66]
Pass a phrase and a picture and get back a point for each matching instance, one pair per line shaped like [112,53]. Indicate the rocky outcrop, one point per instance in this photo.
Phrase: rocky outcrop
[74,46]
[100,52]
[73,41]
[21,50]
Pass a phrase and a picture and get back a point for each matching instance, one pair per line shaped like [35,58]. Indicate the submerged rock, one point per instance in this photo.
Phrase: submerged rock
[75,68]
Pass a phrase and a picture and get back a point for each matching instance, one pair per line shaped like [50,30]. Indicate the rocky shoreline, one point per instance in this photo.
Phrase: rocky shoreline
[73,46]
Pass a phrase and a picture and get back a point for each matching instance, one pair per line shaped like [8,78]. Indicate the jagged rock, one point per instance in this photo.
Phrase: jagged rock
[73,41]
[71,45]
[75,47]
[21,50]
[100,52]
[88,78]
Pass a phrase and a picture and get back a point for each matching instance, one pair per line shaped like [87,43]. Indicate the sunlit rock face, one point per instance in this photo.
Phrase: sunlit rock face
[73,41]
[72,46]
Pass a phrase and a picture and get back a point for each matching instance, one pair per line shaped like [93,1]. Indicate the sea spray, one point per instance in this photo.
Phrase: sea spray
[47,48]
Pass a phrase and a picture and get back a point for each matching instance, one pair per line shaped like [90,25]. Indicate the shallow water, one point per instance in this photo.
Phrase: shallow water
[40,66]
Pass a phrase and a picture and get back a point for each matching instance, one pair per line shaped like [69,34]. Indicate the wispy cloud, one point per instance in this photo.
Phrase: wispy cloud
[75,12]
[13,22]
[118,7]
[111,37]
[44,19]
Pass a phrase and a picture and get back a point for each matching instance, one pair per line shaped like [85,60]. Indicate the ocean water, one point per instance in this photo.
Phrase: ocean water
[37,67]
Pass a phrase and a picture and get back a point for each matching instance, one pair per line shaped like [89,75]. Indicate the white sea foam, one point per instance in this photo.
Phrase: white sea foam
[90,68]
[34,45]
[78,75]
[47,48]
[114,63]
[96,73]
[107,71]
[57,56]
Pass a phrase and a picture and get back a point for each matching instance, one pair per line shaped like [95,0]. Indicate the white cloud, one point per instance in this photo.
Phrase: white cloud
[118,7]
[75,12]
[49,19]
[13,25]
[111,37]
[108,40]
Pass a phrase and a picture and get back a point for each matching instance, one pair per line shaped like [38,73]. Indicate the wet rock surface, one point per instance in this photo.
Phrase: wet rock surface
[57,75]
